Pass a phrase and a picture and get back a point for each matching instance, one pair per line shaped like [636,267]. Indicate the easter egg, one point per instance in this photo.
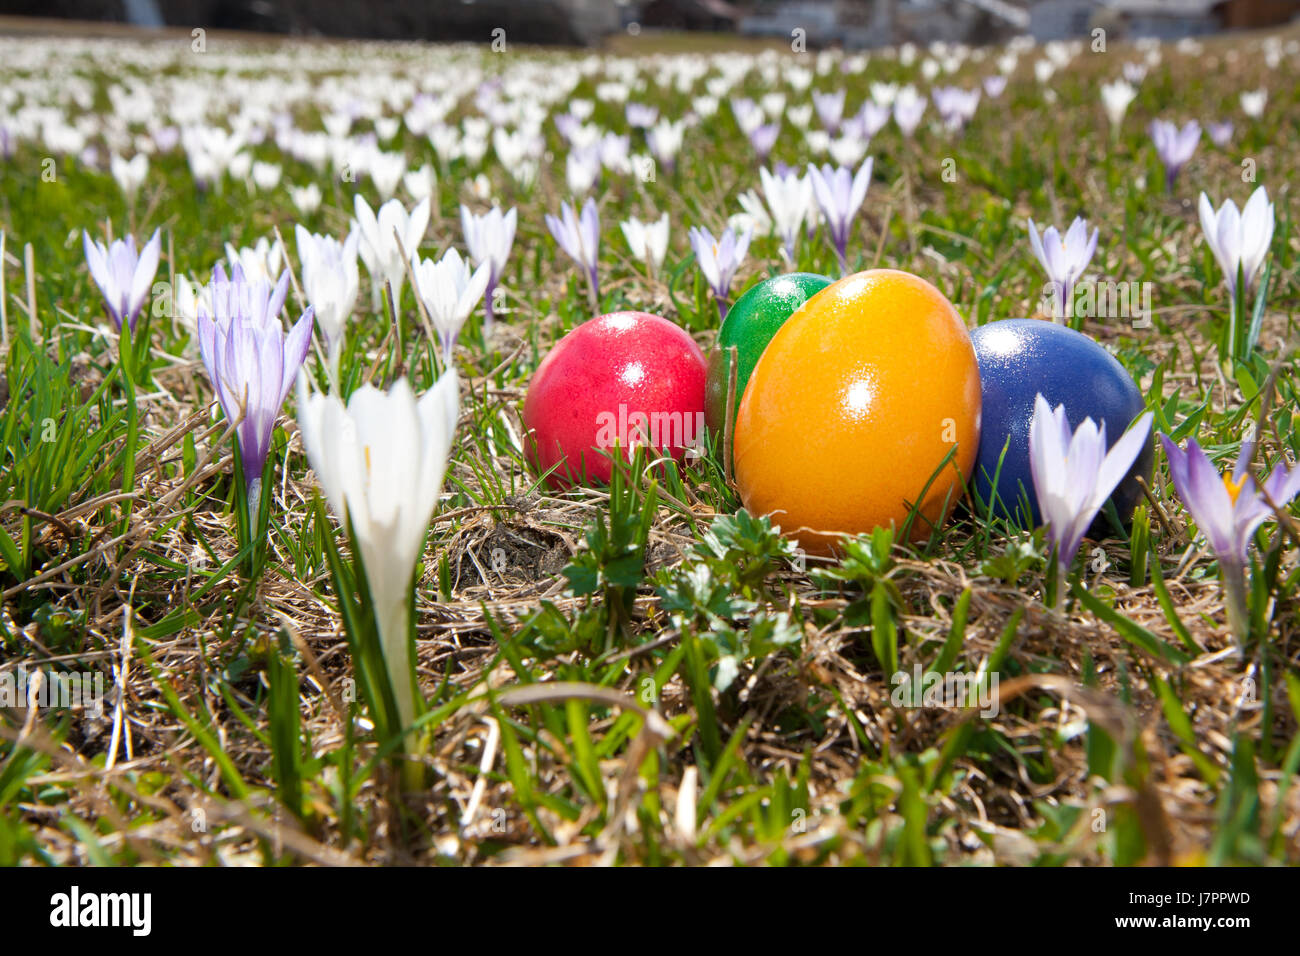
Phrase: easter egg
[853,408]
[748,327]
[1020,358]
[617,380]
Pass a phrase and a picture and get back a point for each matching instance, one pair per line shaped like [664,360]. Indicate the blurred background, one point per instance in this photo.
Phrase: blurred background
[850,24]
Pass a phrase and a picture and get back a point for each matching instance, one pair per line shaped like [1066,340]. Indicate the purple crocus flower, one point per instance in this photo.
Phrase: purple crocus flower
[1064,258]
[763,138]
[872,118]
[840,193]
[579,236]
[1074,474]
[995,85]
[124,276]
[1174,146]
[830,109]
[566,124]
[1220,133]
[748,113]
[640,116]
[719,259]
[908,111]
[489,238]
[166,138]
[955,105]
[250,360]
[1228,511]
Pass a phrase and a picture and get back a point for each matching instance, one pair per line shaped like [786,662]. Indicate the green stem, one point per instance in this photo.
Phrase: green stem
[1234,590]
[126,357]
[1059,587]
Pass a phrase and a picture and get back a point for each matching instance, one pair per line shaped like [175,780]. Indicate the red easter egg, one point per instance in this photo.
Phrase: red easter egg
[618,380]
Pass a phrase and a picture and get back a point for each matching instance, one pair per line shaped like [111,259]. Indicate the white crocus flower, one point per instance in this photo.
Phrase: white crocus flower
[790,199]
[380,461]
[1115,100]
[753,215]
[648,240]
[1253,102]
[187,297]
[386,171]
[306,198]
[421,183]
[331,282]
[130,174]
[1239,239]
[449,292]
[265,176]
[489,238]
[260,261]
[380,248]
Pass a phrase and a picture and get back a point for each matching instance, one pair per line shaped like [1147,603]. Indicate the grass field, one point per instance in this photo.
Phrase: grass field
[637,673]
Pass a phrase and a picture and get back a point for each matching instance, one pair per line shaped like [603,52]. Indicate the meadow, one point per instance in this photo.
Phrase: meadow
[638,671]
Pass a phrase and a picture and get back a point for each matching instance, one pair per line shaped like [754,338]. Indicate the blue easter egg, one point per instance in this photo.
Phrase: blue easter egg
[1018,358]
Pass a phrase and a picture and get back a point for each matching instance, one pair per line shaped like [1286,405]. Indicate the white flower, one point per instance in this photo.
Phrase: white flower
[260,261]
[480,187]
[421,183]
[449,292]
[241,165]
[1253,102]
[489,238]
[386,171]
[130,173]
[186,299]
[379,247]
[884,93]
[305,198]
[848,150]
[799,116]
[1239,239]
[1115,99]
[582,169]
[266,176]
[705,106]
[753,215]
[648,240]
[381,461]
[331,282]
[790,200]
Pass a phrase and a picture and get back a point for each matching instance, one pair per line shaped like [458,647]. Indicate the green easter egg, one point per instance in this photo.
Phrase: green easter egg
[749,326]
